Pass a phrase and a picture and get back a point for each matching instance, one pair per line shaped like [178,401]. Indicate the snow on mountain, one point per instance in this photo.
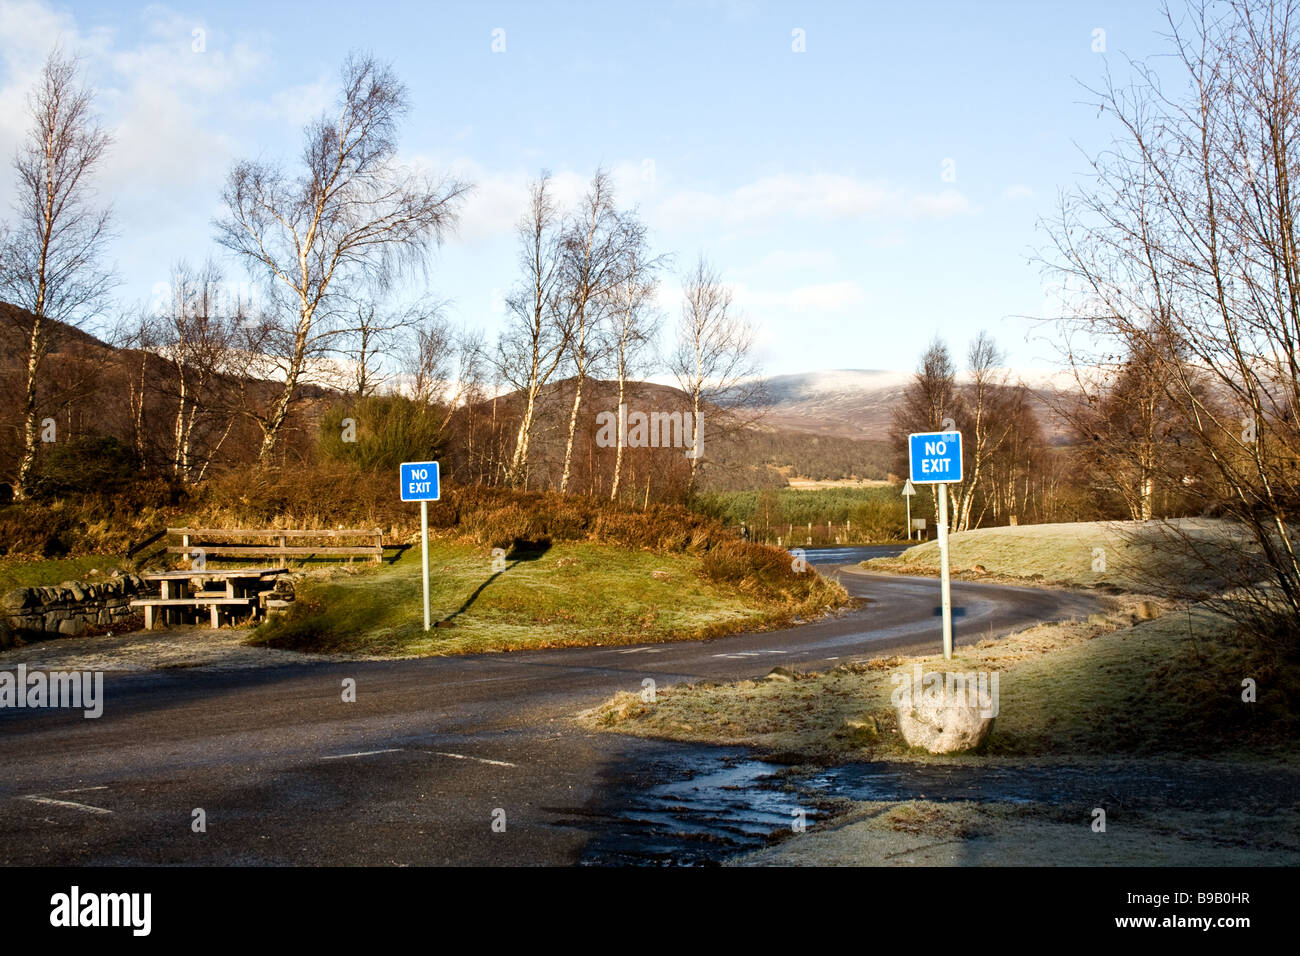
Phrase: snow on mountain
[860,403]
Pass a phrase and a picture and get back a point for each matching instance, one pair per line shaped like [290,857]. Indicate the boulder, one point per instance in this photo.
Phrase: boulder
[72,625]
[19,598]
[943,724]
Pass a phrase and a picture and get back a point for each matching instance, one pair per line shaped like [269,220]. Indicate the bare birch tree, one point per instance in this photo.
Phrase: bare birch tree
[1186,234]
[535,341]
[49,265]
[633,323]
[443,365]
[591,258]
[351,213]
[989,416]
[713,358]
[195,333]
[372,336]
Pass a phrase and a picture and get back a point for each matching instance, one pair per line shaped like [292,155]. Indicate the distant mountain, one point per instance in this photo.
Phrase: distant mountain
[860,403]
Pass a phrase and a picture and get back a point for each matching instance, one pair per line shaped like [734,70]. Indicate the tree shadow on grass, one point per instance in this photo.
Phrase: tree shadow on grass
[520,550]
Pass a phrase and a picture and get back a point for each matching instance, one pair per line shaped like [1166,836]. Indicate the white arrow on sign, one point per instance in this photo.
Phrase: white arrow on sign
[908,490]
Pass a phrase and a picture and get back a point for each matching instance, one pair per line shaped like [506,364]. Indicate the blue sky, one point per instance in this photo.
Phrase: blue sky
[813,180]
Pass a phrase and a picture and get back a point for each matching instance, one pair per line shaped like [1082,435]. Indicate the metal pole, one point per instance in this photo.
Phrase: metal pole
[424,557]
[945,585]
[908,499]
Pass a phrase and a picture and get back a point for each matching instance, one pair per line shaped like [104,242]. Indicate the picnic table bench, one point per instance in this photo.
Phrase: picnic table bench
[238,589]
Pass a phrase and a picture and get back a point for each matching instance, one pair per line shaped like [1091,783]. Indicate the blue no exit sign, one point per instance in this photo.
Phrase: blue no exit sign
[935,457]
[419,480]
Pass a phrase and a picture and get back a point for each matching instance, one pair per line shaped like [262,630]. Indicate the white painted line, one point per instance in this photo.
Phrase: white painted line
[362,753]
[495,763]
[64,803]
[642,650]
[82,790]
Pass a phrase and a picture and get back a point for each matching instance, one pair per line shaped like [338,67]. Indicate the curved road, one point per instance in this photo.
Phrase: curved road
[430,754]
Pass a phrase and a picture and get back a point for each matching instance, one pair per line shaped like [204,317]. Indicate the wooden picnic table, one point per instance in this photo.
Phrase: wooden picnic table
[186,589]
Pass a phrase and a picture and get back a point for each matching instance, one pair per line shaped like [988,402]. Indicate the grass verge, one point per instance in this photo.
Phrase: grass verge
[31,573]
[572,594]
[1122,683]
[1107,555]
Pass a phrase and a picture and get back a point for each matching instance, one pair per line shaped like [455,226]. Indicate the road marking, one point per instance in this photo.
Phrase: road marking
[82,789]
[64,803]
[362,753]
[495,763]
[643,650]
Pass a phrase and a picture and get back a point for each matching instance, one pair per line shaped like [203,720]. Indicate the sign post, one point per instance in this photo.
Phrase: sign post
[935,459]
[908,491]
[945,580]
[418,481]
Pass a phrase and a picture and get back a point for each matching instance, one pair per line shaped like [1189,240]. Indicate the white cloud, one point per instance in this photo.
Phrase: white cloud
[28,31]
[164,103]
[1017,191]
[499,199]
[299,105]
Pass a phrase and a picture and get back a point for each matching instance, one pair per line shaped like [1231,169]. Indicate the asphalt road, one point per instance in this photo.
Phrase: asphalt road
[431,753]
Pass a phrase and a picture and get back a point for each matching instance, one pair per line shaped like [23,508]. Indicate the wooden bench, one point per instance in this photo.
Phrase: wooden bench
[198,540]
[214,604]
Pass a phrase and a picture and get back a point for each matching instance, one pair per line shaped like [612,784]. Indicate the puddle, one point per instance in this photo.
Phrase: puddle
[693,805]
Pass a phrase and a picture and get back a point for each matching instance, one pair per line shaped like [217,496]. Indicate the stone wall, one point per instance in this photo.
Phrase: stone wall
[72,607]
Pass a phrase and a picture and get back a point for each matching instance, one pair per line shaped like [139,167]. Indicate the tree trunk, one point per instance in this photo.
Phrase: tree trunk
[178,461]
[695,441]
[27,464]
[519,461]
[271,427]
[618,453]
[573,426]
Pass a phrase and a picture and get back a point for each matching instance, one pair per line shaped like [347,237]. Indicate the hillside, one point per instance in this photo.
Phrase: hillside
[859,403]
